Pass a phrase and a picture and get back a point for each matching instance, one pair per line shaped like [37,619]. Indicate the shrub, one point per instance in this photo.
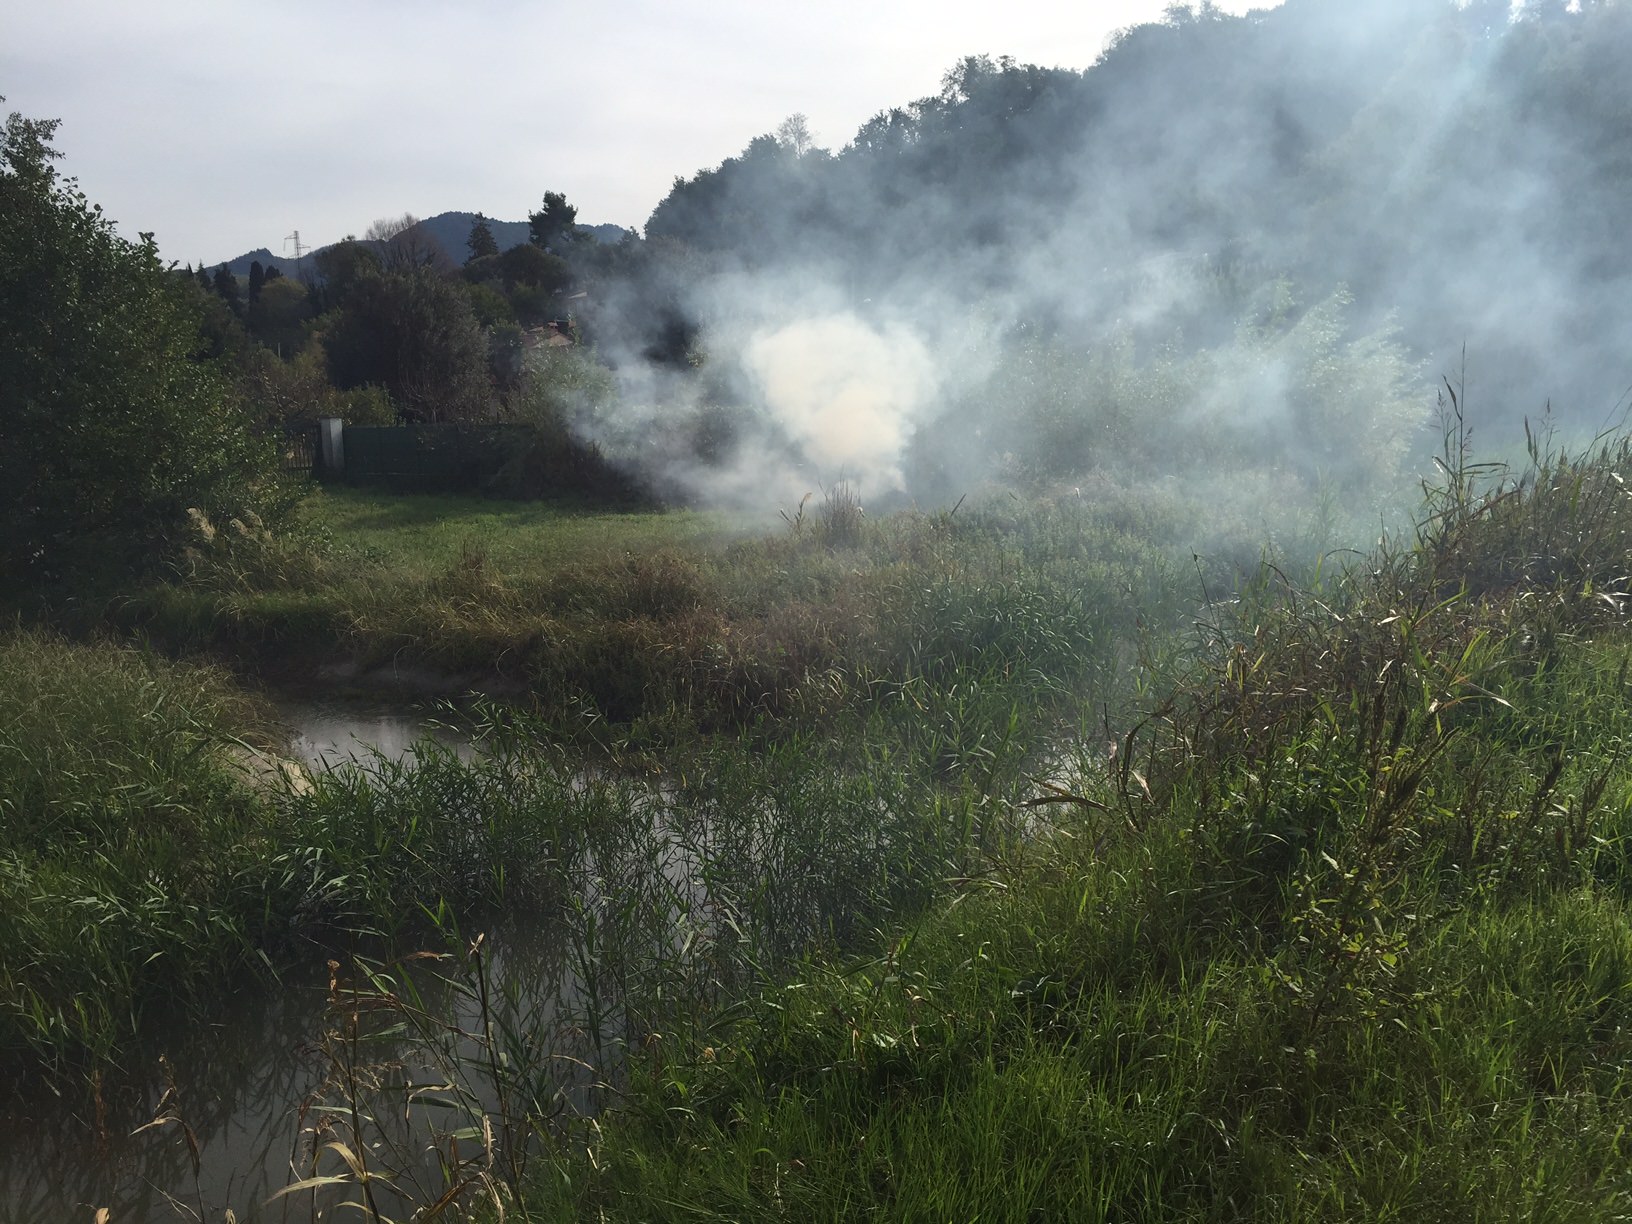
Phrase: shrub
[109,427]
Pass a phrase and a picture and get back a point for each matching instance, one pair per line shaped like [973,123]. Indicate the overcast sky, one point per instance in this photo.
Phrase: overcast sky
[225,125]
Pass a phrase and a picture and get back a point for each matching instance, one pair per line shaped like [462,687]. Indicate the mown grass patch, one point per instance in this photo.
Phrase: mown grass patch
[427,534]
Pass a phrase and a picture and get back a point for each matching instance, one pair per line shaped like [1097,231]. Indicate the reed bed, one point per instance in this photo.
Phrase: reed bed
[1014,859]
[1336,928]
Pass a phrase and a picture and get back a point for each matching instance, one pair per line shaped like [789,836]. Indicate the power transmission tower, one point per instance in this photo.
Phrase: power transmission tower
[300,251]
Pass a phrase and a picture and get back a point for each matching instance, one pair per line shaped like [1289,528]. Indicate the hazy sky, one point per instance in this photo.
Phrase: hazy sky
[224,125]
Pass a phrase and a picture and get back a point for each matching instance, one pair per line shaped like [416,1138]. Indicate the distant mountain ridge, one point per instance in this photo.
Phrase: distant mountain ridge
[449,230]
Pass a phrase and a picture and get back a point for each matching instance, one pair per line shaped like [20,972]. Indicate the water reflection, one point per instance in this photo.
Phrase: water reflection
[331,732]
[262,1086]
[233,1082]
[648,898]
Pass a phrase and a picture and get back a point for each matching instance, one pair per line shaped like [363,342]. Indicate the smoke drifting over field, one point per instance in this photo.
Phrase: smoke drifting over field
[1235,247]
[848,394]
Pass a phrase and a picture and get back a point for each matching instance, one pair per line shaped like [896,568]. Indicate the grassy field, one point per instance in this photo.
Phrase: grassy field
[674,619]
[425,534]
[924,658]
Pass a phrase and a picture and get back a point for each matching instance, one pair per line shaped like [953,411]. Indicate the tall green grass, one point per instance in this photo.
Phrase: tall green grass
[1338,928]
[660,622]
[1010,859]
[123,816]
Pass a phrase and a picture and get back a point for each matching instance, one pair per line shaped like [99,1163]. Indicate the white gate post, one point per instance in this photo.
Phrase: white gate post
[331,440]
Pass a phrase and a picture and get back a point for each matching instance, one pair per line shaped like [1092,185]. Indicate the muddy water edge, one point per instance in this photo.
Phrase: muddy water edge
[650,902]
[223,1111]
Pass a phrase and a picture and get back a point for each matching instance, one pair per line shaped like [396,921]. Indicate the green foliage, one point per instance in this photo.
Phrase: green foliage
[559,394]
[1320,913]
[564,387]
[339,267]
[529,278]
[1336,931]
[277,316]
[226,288]
[125,819]
[297,391]
[109,428]
[413,333]
[554,226]
[492,308]
[481,242]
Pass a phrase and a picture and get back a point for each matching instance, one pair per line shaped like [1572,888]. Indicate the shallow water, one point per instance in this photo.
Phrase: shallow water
[650,876]
[334,732]
[237,1081]
[253,1086]
[241,1089]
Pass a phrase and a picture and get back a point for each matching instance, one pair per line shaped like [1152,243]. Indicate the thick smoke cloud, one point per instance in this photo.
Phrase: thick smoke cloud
[1239,248]
[848,394]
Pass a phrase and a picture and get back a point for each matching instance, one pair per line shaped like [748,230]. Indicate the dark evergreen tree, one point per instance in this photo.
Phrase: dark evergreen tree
[225,285]
[415,334]
[481,241]
[554,225]
[257,278]
[338,268]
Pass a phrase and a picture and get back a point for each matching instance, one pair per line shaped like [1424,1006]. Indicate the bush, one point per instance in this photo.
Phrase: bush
[110,428]
[562,395]
[415,334]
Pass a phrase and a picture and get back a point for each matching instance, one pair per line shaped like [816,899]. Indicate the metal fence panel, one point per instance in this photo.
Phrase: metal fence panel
[428,458]
[300,448]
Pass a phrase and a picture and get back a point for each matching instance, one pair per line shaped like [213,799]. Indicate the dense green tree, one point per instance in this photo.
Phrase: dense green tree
[298,392]
[336,269]
[110,428]
[528,278]
[492,307]
[554,226]
[257,278]
[530,265]
[277,316]
[221,334]
[415,334]
[481,241]
[226,288]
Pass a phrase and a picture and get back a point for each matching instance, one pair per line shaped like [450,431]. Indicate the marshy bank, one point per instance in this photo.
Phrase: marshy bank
[1017,890]
[645,895]
[787,742]
[1337,930]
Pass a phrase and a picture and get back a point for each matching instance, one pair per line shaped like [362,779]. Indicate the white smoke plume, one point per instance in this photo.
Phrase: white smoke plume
[849,394]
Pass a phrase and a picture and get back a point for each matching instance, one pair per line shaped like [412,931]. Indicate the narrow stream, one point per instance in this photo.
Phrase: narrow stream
[259,1089]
